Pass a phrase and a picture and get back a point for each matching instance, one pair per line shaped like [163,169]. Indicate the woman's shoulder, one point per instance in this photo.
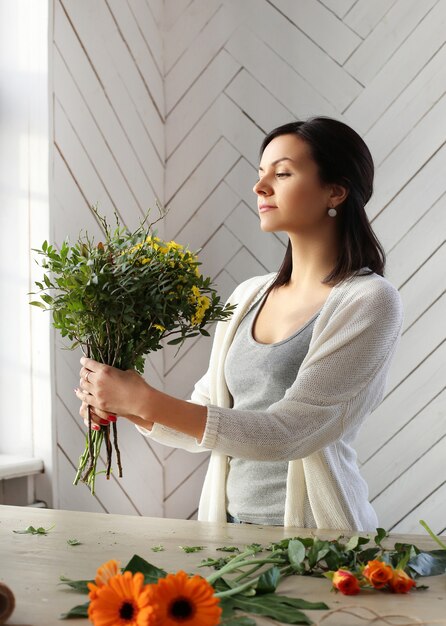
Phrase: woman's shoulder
[371,289]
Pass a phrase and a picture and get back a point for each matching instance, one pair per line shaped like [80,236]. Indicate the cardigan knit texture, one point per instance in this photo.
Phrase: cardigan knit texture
[341,380]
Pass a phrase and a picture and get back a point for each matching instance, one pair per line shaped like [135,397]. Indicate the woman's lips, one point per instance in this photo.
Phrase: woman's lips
[266,207]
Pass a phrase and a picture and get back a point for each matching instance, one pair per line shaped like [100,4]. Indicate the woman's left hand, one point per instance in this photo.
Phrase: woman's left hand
[112,390]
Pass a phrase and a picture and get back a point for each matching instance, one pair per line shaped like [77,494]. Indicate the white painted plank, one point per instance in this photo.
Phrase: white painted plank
[184,26]
[398,72]
[306,58]
[223,118]
[199,186]
[196,57]
[425,287]
[411,105]
[331,34]
[81,167]
[430,510]
[150,30]
[218,251]
[277,76]
[402,404]
[339,7]
[139,52]
[427,235]
[197,100]
[413,202]
[364,16]
[245,225]
[418,342]
[125,108]
[253,98]
[415,438]
[173,10]
[184,500]
[416,483]
[390,33]
[179,466]
[102,111]
[244,265]
[409,156]
[208,218]
[73,120]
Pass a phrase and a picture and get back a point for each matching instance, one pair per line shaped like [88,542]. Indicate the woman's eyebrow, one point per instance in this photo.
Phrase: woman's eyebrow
[277,161]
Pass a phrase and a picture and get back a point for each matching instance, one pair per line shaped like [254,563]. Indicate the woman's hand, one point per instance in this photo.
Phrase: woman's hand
[110,392]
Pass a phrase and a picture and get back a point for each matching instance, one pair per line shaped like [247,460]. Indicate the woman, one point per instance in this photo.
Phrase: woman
[303,359]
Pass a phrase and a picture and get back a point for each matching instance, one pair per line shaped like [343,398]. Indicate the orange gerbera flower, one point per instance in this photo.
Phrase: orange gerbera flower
[185,600]
[103,574]
[122,600]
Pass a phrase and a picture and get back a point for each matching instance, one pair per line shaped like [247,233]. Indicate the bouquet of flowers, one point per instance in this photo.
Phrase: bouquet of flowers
[118,299]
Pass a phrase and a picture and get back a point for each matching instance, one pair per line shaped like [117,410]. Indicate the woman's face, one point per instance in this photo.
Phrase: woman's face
[291,186]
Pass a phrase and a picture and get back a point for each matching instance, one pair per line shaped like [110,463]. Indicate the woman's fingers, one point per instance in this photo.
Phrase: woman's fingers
[99,418]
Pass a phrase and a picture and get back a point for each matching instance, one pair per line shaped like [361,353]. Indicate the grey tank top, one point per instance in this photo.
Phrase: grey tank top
[258,375]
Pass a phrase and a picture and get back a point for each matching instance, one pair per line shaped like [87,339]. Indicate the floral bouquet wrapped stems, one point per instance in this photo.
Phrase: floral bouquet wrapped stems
[118,299]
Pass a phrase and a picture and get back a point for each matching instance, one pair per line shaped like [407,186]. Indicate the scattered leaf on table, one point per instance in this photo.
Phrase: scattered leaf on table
[159,548]
[31,530]
[228,549]
[74,542]
[78,585]
[192,548]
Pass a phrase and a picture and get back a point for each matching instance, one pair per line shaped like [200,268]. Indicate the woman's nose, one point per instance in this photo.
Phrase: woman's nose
[260,188]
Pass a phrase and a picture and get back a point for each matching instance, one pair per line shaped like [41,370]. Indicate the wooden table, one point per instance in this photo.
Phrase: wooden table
[31,565]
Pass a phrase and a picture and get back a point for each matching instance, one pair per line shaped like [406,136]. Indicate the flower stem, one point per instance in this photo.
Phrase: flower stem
[232,565]
[432,534]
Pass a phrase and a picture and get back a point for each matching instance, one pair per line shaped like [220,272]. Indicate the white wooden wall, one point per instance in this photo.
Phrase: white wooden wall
[173,99]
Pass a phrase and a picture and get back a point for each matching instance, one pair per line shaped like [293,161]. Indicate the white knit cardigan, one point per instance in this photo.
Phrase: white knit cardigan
[341,380]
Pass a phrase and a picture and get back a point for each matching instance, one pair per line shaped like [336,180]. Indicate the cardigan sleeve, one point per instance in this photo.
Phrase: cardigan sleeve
[340,381]
[174,438]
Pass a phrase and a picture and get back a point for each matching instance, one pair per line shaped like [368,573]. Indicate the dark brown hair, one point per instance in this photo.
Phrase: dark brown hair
[343,158]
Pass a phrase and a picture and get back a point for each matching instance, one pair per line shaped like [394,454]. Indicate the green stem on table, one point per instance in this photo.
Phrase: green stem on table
[235,564]
[247,573]
[432,534]
[249,583]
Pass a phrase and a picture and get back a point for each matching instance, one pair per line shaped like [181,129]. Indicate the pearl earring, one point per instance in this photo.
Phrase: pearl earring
[332,212]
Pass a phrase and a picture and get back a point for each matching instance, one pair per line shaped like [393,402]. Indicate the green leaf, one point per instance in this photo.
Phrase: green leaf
[151,572]
[269,580]
[78,585]
[158,548]
[81,610]
[74,542]
[31,530]
[39,304]
[296,553]
[189,549]
[228,549]
[382,534]
[280,608]
[429,563]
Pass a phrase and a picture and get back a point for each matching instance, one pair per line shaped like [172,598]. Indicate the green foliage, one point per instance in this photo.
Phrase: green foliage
[120,297]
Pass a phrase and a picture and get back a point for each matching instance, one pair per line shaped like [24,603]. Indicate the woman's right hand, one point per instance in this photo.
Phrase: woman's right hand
[101,418]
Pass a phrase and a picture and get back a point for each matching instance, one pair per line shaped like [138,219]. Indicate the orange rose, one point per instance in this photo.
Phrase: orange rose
[401,582]
[378,573]
[345,582]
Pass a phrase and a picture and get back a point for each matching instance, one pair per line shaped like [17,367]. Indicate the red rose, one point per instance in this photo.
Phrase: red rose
[345,582]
